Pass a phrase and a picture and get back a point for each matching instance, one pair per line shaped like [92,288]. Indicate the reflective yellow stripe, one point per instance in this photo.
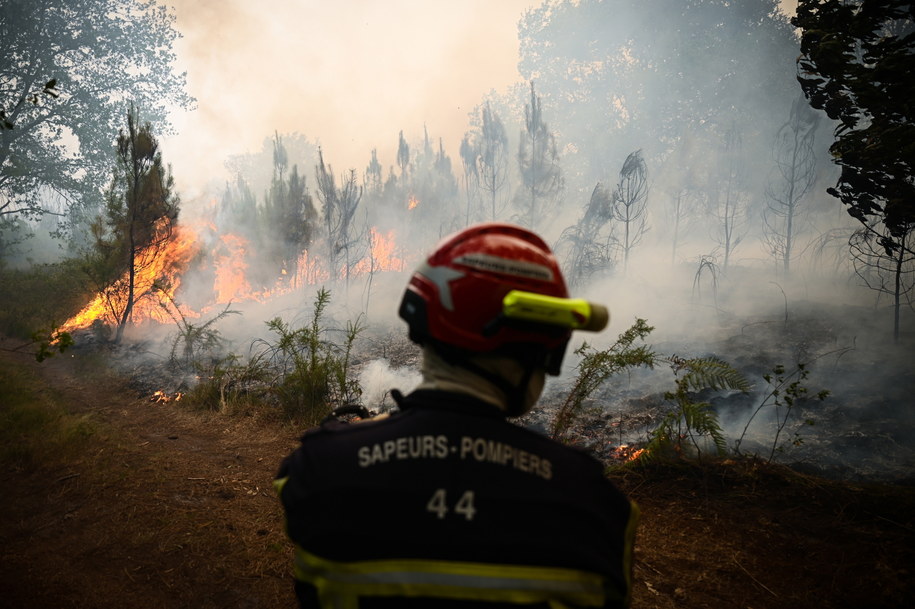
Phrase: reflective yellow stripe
[279,483]
[340,584]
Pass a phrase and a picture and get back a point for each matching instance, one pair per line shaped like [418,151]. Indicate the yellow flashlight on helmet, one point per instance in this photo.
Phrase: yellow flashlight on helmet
[573,313]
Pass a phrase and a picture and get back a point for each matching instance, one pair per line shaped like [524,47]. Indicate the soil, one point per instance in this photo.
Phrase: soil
[171,508]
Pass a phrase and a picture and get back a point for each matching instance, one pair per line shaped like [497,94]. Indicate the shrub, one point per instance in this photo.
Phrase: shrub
[596,367]
[299,370]
[683,429]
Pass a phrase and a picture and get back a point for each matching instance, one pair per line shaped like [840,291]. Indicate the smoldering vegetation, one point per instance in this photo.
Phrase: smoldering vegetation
[666,153]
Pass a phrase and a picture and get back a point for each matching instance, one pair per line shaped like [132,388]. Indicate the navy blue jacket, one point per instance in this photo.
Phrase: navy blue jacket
[447,504]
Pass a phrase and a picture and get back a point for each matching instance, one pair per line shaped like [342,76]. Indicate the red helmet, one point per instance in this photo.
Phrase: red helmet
[455,298]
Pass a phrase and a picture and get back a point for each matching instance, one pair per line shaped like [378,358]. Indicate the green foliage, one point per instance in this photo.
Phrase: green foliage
[683,428]
[299,370]
[231,387]
[786,391]
[33,97]
[854,64]
[689,428]
[288,218]
[141,211]
[84,59]
[50,342]
[33,298]
[596,367]
[34,428]
[313,372]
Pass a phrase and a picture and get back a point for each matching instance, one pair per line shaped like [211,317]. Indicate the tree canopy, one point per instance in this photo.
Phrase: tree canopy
[101,56]
[855,65]
[650,73]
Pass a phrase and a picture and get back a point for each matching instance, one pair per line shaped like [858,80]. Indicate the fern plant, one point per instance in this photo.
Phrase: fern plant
[684,428]
[595,367]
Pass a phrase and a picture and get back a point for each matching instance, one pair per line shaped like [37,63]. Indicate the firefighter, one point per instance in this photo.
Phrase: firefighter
[445,503]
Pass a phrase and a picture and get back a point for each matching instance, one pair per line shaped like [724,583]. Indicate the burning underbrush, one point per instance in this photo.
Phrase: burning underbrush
[208,332]
[200,270]
[859,432]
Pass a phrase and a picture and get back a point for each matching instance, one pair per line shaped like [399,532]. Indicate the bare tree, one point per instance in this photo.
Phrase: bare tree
[538,160]
[829,251]
[728,198]
[792,178]
[339,207]
[493,159]
[403,155]
[629,203]
[590,246]
[683,205]
[886,263]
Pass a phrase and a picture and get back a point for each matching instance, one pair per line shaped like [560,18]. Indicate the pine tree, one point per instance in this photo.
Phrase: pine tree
[141,211]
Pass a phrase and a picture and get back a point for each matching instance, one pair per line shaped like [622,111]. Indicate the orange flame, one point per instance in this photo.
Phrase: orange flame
[383,254]
[155,271]
[627,453]
[230,283]
[411,205]
[161,397]
[309,271]
[159,276]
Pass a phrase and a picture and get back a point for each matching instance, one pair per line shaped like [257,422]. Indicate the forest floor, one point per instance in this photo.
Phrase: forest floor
[161,507]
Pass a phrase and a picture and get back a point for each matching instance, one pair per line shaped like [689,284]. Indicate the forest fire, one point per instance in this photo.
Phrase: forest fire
[413,202]
[158,276]
[383,255]
[230,282]
[159,272]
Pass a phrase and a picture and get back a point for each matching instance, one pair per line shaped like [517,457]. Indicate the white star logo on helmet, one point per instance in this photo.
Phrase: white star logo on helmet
[441,276]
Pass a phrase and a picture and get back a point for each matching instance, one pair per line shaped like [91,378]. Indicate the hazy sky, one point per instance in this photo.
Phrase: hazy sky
[349,74]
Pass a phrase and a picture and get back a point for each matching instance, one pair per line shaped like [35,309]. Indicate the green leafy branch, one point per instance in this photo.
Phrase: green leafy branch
[51,341]
[691,420]
[786,390]
[595,367]
[33,97]
[310,373]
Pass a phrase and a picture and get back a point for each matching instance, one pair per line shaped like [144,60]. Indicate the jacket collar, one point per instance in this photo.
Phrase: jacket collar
[447,400]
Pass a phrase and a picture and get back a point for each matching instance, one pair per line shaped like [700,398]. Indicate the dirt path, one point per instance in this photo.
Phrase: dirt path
[166,509]
[162,508]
